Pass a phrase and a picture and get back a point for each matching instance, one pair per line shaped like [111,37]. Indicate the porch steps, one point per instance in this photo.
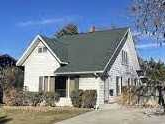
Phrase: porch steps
[64,102]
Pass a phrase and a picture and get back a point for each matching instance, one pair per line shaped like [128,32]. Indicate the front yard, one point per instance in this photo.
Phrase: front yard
[13,115]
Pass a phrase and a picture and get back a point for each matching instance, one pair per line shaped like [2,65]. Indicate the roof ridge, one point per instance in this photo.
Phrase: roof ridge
[84,33]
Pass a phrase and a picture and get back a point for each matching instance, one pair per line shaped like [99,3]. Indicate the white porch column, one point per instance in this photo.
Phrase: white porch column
[68,84]
[48,83]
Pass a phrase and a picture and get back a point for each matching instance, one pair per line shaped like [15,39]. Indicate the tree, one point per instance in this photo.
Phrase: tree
[155,72]
[10,77]
[69,29]
[150,16]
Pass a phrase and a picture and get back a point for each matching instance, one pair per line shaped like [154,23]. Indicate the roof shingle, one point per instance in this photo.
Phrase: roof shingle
[89,51]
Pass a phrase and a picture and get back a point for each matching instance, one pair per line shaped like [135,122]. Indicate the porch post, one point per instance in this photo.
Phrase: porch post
[68,84]
[48,83]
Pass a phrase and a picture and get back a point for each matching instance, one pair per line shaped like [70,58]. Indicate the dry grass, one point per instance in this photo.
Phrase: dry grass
[11,115]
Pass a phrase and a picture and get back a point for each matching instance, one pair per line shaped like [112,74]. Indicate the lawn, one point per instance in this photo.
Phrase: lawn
[19,116]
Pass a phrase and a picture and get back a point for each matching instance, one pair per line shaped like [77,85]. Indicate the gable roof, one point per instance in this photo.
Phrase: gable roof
[84,53]
[92,52]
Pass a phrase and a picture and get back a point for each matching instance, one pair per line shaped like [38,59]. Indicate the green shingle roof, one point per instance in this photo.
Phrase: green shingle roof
[88,51]
[57,47]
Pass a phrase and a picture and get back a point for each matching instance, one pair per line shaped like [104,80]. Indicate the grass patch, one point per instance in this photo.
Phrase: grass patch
[13,116]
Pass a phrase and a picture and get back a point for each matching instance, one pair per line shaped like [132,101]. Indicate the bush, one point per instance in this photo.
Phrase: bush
[45,99]
[13,97]
[33,98]
[50,98]
[89,99]
[85,99]
[76,98]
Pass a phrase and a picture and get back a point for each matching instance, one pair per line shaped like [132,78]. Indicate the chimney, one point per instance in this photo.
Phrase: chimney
[92,29]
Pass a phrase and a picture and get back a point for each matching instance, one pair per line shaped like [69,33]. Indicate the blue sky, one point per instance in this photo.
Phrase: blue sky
[22,20]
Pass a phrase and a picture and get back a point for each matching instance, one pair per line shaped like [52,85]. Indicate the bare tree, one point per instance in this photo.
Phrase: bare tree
[150,16]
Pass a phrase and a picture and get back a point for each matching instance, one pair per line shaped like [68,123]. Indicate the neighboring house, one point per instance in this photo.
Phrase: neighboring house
[102,60]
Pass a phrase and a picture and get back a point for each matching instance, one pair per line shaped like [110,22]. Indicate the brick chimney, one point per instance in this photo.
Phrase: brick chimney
[92,29]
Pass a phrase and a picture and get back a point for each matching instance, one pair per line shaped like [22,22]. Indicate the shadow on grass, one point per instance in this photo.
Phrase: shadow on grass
[4,120]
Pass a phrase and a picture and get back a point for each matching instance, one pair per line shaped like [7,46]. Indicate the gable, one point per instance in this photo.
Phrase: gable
[125,70]
[30,49]
[42,62]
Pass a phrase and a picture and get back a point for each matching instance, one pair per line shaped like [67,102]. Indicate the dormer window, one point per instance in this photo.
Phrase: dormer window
[42,50]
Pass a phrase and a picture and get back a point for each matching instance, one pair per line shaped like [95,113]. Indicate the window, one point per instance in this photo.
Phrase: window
[42,49]
[39,50]
[124,57]
[128,81]
[74,84]
[111,92]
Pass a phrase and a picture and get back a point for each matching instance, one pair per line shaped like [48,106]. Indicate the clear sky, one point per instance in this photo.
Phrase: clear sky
[22,20]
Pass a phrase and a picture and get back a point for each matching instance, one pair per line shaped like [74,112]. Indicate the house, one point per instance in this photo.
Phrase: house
[101,60]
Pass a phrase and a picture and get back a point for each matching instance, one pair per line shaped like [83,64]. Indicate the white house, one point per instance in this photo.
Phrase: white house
[101,60]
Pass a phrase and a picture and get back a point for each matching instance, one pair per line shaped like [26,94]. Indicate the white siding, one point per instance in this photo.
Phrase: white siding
[118,69]
[38,64]
[88,83]
[93,83]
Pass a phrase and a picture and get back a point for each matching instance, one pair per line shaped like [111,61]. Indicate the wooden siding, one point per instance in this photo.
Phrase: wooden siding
[121,70]
[38,64]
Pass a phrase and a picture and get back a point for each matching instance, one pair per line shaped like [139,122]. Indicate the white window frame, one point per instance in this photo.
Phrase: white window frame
[43,49]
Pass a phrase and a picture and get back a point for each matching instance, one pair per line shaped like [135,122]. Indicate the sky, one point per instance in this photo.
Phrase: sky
[22,20]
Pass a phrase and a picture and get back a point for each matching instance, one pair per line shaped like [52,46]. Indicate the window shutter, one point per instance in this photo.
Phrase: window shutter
[46,84]
[40,84]
[52,84]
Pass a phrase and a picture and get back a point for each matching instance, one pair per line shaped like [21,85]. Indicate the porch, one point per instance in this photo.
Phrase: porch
[61,85]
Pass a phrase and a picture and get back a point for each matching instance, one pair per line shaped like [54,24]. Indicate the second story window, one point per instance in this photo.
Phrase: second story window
[124,57]
[42,49]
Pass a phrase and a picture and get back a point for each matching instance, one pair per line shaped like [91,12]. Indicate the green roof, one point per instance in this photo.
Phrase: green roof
[57,47]
[88,51]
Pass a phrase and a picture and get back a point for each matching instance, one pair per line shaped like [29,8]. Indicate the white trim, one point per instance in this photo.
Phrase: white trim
[115,51]
[48,83]
[84,72]
[26,53]
[68,81]
[52,51]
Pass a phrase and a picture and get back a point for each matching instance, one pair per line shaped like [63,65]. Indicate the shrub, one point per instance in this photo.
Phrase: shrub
[50,98]
[33,98]
[85,99]
[13,97]
[89,99]
[41,98]
[76,98]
